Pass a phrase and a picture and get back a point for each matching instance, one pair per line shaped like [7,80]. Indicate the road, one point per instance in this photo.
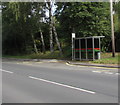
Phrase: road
[45,82]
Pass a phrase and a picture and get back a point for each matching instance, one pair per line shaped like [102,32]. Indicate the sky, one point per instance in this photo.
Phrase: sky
[53,10]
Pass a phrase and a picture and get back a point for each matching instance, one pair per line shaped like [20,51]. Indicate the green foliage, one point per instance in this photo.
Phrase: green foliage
[21,19]
[47,55]
[85,19]
[117,24]
[108,59]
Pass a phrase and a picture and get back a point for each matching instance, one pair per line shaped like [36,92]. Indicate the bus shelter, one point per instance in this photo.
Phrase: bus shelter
[86,48]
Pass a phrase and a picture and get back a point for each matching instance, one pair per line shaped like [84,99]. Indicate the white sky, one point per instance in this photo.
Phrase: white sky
[53,10]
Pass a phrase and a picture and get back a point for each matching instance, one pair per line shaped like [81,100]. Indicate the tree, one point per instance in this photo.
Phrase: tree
[56,37]
[42,39]
[20,23]
[86,18]
[117,24]
[52,28]
[49,6]
[27,29]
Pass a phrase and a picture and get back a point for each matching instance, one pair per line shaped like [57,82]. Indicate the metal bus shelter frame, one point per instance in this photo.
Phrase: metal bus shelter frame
[91,53]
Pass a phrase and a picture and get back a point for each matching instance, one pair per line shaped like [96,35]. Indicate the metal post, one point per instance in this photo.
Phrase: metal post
[80,49]
[100,49]
[93,49]
[86,48]
[99,44]
[72,48]
[73,52]
[112,29]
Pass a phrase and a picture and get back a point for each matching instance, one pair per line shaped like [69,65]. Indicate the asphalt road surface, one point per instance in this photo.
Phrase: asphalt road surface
[45,82]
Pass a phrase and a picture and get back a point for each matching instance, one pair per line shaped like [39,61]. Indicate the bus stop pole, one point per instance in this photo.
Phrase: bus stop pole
[72,48]
[86,49]
[80,49]
[99,54]
[73,53]
[93,49]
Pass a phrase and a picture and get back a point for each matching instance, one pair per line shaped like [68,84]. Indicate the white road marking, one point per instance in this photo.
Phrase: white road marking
[71,87]
[105,72]
[6,71]
[108,72]
[97,71]
[17,63]
[117,73]
[101,71]
[105,68]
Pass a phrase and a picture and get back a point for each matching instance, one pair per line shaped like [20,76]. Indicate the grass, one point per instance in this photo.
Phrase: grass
[16,56]
[47,55]
[106,58]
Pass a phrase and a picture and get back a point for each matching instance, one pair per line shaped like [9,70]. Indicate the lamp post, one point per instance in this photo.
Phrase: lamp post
[73,36]
[112,29]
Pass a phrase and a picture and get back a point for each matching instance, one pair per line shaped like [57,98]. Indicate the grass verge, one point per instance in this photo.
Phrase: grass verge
[106,58]
[47,55]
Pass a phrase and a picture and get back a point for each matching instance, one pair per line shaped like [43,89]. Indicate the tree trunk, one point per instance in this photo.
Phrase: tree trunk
[43,43]
[35,47]
[56,38]
[50,27]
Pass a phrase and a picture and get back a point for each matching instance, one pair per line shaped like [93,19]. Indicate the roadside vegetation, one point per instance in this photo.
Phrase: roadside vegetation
[106,58]
[28,31]
[47,55]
